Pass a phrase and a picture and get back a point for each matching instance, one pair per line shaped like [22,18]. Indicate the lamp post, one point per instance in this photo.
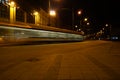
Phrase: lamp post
[79,13]
[12,20]
[108,30]
[12,12]
[49,13]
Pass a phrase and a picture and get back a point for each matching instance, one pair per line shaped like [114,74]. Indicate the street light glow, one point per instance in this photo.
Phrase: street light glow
[35,13]
[79,29]
[79,12]
[88,23]
[85,19]
[106,25]
[12,4]
[76,26]
[52,13]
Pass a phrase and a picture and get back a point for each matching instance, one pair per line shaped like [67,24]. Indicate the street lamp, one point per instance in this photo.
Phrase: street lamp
[12,11]
[12,4]
[108,30]
[85,19]
[76,26]
[79,12]
[88,23]
[52,13]
[106,25]
[35,13]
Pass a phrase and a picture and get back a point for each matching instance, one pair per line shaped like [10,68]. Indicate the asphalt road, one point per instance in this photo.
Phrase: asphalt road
[87,60]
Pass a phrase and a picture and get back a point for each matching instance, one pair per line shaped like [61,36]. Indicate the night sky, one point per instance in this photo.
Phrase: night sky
[99,12]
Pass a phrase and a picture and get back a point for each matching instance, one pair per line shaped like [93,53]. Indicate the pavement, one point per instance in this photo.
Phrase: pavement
[87,60]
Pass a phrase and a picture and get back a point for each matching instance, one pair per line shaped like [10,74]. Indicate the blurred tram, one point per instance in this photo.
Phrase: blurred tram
[12,32]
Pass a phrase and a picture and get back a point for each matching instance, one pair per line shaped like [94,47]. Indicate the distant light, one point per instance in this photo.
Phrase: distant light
[88,23]
[12,4]
[35,13]
[76,26]
[18,7]
[106,25]
[79,12]
[115,38]
[52,13]
[79,29]
[103,28]
[85,19]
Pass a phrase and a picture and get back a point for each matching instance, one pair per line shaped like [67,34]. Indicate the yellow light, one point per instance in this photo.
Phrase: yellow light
[52,13]
[35,13]
[85,19]
[12,4]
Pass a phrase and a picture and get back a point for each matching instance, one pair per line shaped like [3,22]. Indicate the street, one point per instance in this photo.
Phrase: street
[87,60]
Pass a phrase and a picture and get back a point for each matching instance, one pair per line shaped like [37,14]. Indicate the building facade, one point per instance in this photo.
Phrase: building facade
[22,16]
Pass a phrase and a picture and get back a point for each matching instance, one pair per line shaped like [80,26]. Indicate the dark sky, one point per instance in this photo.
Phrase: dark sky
[99,12]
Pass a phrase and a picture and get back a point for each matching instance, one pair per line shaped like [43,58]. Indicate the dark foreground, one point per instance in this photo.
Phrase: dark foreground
[88,60]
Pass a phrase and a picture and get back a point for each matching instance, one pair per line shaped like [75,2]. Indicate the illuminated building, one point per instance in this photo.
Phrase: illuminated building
[4,1]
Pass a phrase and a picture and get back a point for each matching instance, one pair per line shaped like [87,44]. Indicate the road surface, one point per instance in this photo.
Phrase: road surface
[88,60]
